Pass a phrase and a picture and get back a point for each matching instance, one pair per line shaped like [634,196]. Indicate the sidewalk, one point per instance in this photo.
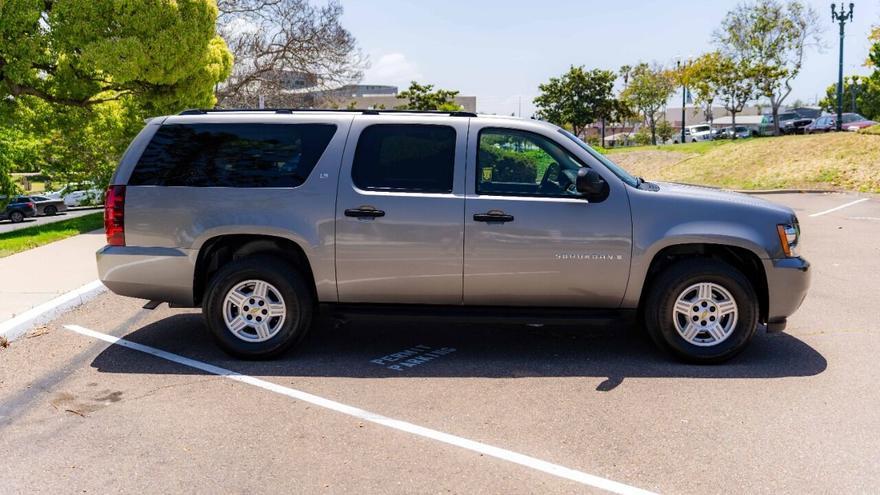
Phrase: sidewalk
[38,275]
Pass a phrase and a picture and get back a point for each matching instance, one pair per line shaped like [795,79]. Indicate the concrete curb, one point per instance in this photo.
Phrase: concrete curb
[788,191]
[16,327]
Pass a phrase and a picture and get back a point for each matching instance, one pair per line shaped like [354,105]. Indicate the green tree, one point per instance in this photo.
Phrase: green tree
[699,77]
[734,83]
[423,97]
[665,130]
[578,98]
[78,78]
[864,91]
[773,36]
[647,90]
[166,55]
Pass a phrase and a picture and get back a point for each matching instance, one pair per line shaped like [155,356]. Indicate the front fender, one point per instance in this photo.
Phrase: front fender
[645,249]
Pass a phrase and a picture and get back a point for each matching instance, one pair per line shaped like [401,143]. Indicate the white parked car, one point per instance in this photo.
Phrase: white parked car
[694,133]
[78,194]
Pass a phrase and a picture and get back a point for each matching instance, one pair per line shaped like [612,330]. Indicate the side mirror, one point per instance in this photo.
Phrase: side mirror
[591,184]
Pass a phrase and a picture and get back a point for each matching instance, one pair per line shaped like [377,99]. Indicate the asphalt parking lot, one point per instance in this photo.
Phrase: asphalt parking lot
[796,412]
[7,226]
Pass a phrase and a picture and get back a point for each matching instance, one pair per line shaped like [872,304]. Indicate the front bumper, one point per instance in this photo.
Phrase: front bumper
[788,281]
[154,273]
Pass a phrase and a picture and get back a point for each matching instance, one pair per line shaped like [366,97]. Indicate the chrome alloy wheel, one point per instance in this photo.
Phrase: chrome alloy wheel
[254,311]
[705,314]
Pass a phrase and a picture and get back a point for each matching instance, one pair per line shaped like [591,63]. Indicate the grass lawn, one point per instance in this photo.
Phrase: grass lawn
[31,237]
[845,160]
[700,148]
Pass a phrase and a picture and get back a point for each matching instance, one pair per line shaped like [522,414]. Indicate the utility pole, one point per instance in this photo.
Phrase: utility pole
[683,100]
[841,18]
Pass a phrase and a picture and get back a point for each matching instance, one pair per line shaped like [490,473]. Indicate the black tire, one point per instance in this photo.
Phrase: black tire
[669,284]
[16,217]
[293,289]
[50,211]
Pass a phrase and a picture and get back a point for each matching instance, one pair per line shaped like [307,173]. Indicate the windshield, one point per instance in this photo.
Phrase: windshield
[613,167]
[852,117]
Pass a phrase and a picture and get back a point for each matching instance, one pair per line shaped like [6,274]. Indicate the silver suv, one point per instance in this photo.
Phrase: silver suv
[264,217]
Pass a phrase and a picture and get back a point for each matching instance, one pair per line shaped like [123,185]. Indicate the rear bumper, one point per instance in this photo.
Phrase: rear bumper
[788,280]
[154,273]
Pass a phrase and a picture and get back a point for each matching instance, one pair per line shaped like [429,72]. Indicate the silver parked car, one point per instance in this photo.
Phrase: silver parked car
[48,206]
[262,218]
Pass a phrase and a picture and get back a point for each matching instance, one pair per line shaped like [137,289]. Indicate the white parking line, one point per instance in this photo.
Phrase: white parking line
[851,203]
[479,447]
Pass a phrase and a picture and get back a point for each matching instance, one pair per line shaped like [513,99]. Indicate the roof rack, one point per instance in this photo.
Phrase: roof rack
[364,111]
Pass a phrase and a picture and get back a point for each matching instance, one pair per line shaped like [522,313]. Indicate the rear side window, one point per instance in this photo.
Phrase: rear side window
[232,155]
[408,158]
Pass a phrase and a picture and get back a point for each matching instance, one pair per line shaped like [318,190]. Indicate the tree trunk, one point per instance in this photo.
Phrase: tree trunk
[653,130]
[733,119]
[775,111]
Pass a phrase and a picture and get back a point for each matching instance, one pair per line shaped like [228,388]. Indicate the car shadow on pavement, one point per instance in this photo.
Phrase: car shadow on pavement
[357,349]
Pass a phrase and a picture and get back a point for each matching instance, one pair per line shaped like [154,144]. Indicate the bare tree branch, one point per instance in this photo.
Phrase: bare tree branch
[276,40]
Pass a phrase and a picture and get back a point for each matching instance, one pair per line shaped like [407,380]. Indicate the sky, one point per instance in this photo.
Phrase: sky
[501,50]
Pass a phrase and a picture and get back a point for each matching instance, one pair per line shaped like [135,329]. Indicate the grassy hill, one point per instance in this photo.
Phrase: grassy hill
[845,160]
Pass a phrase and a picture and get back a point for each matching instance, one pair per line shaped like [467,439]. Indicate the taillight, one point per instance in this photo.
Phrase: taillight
[114,215]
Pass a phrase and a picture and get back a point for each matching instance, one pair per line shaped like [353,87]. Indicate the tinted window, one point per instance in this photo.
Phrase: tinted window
[232,155]
[512,162]
[410,158]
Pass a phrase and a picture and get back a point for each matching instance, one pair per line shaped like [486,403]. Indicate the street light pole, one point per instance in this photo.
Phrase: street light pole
[841,18]
[683,99]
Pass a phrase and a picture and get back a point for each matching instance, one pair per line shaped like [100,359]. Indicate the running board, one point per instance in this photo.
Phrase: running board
[482,314]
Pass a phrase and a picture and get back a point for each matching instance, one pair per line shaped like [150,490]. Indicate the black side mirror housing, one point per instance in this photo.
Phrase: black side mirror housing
[591,184]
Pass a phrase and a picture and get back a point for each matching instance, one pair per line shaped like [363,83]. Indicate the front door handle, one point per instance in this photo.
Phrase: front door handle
[493,216]
[364,212]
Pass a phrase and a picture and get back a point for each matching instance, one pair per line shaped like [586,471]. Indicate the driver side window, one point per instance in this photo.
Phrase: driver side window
[518,163]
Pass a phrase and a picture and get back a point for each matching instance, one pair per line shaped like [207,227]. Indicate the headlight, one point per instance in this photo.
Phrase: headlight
[789,238]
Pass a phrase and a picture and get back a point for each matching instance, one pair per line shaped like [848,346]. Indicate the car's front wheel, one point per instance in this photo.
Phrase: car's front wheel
[702,311]
[50,211]
[258,307]
[16,217]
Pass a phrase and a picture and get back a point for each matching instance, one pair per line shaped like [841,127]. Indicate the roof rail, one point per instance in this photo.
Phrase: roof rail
[365,111]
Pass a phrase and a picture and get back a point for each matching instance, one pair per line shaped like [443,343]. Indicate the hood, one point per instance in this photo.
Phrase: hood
[722,197]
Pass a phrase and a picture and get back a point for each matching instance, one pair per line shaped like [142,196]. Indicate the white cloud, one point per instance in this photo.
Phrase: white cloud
[394,69]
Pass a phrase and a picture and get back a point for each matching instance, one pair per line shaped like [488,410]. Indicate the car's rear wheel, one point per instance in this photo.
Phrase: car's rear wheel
[702,311]
[16,217]
[50,211]
[258,307]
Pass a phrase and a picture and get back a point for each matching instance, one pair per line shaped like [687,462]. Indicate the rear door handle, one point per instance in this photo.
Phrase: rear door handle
[493,216]
[364,212]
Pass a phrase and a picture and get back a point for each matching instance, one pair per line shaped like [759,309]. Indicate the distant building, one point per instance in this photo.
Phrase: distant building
[350,95]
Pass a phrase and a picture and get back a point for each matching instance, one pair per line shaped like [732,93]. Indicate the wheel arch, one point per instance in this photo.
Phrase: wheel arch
[221,249]
[747,261]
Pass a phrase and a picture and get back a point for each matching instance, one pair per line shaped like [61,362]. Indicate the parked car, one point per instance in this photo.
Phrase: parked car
[824,123]
[78,194]
[694,133]
[789,123]
[854,122]
[18,209]
[851,122]
[48,206]
[742,132]
[434,215]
